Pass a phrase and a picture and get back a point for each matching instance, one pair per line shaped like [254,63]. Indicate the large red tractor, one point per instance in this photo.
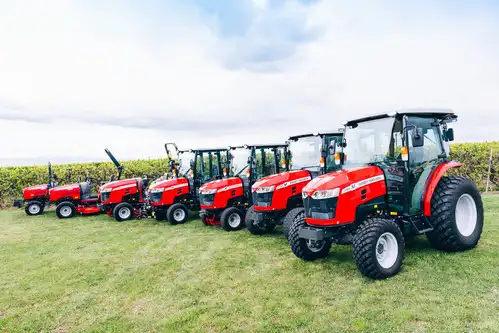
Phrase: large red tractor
[225,201]
[78,198]
[36,197]
[277,198]
[393,184]
[171,199]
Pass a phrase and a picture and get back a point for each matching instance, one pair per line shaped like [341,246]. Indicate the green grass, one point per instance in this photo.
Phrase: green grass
[94,274]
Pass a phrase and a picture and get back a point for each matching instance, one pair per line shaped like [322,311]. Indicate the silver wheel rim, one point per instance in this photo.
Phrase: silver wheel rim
[387,250]
[124,213]
[234,220]
[178,214]
[466,215]
[66,211]
[34,209]
[315,246]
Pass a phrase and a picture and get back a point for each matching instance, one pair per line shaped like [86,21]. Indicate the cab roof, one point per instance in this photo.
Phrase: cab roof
[296,137]
[436,113]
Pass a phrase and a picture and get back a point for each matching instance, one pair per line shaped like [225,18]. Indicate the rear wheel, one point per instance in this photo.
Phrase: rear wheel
[456,214]
[34,208]
[65,210]
[290,217]
[232,219]
[306,249]
[257,227]
[177,213]
[123,212]
[378,248]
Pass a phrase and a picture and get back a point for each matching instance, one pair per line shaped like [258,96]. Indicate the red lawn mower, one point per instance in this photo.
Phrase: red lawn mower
[392,185]
[277,198]
[225,201]
[36,197]
[171,199]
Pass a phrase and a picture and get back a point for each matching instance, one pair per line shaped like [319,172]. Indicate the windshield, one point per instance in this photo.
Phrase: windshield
[239,161]
[306,153]
[184,158]
[373,141]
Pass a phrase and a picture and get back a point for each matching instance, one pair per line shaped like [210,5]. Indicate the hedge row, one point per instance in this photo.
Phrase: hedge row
[475,157]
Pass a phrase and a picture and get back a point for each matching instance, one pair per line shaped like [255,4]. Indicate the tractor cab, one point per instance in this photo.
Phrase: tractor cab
[36,197]
[189,169]
[277,196]
[225,201]
[392,184]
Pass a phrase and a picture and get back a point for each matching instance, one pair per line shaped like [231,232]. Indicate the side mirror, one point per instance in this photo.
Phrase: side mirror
[417,137]
[449,134]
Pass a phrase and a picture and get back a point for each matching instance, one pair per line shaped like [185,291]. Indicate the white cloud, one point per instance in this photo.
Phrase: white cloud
[61,59]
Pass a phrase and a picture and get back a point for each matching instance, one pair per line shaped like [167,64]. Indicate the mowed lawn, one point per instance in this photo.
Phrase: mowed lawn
[95,274]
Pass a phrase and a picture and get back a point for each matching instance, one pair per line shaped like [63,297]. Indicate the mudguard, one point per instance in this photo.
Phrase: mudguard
[433,181]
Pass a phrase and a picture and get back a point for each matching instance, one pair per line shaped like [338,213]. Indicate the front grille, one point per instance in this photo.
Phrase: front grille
[207,199]
[323,209]
[262,199]
[155,196]
[105,196]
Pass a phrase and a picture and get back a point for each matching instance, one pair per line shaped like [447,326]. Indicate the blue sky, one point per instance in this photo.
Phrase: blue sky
[132,74]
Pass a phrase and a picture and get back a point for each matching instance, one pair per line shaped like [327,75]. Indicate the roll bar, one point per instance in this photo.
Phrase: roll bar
[115,161]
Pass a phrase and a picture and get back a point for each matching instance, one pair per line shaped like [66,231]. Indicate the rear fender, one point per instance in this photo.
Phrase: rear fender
[433,181]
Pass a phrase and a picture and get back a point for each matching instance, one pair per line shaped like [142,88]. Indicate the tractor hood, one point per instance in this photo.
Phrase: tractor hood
[345,180]
[283,179]
[34,188]
[71,187]
[118,184]
[222,185]
[169,184]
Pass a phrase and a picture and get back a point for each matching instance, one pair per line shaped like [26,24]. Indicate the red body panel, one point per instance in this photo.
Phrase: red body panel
[61,192]
[433,182]
[36,191]
[85,210]
[287,184]
[172,189]
[227,189]
[121,188]
[350,182]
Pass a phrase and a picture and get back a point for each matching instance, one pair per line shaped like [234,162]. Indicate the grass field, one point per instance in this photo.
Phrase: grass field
[95,274]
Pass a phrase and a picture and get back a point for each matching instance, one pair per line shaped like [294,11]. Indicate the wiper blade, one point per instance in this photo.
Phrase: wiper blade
[240,171]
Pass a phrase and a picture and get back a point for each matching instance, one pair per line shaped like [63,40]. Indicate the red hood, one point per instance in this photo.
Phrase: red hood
[169,184]
[42,187]
[346,180]
[119,183]
[295,176]
[70,187]
[222,184]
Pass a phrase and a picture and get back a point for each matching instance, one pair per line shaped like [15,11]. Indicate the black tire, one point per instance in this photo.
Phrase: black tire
[34,208]
[289,218]
[446,234]
[302,248]
[203,218]
[253,226]
[234,216]
[65,210]
[160,215]
[123,212]
[365,248]
[177,214]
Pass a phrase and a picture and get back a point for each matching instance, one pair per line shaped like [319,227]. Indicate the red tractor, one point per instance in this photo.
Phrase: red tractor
[171,199]
[225,201]
[77,198]
[392,185]
[36,197]
[277,199]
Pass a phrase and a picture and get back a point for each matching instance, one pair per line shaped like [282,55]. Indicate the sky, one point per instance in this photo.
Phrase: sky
[78,76]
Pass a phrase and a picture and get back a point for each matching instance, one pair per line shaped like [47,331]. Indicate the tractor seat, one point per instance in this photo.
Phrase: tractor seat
[85,189]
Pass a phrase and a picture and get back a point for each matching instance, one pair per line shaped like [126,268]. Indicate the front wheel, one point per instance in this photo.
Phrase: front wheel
[123,212]
[257,227]
[456,214]
[378,248]
[306,249]
[232,219]
[177,214]
[65,210]
[160,215]
[34,208]
[290,217]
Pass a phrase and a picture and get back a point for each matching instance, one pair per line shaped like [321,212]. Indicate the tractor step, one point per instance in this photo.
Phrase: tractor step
[420,224]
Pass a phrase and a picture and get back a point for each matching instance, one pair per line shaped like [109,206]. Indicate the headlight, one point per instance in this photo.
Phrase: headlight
[265,189]
[326,194]
[106,190]
[212,191]
[157,189]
